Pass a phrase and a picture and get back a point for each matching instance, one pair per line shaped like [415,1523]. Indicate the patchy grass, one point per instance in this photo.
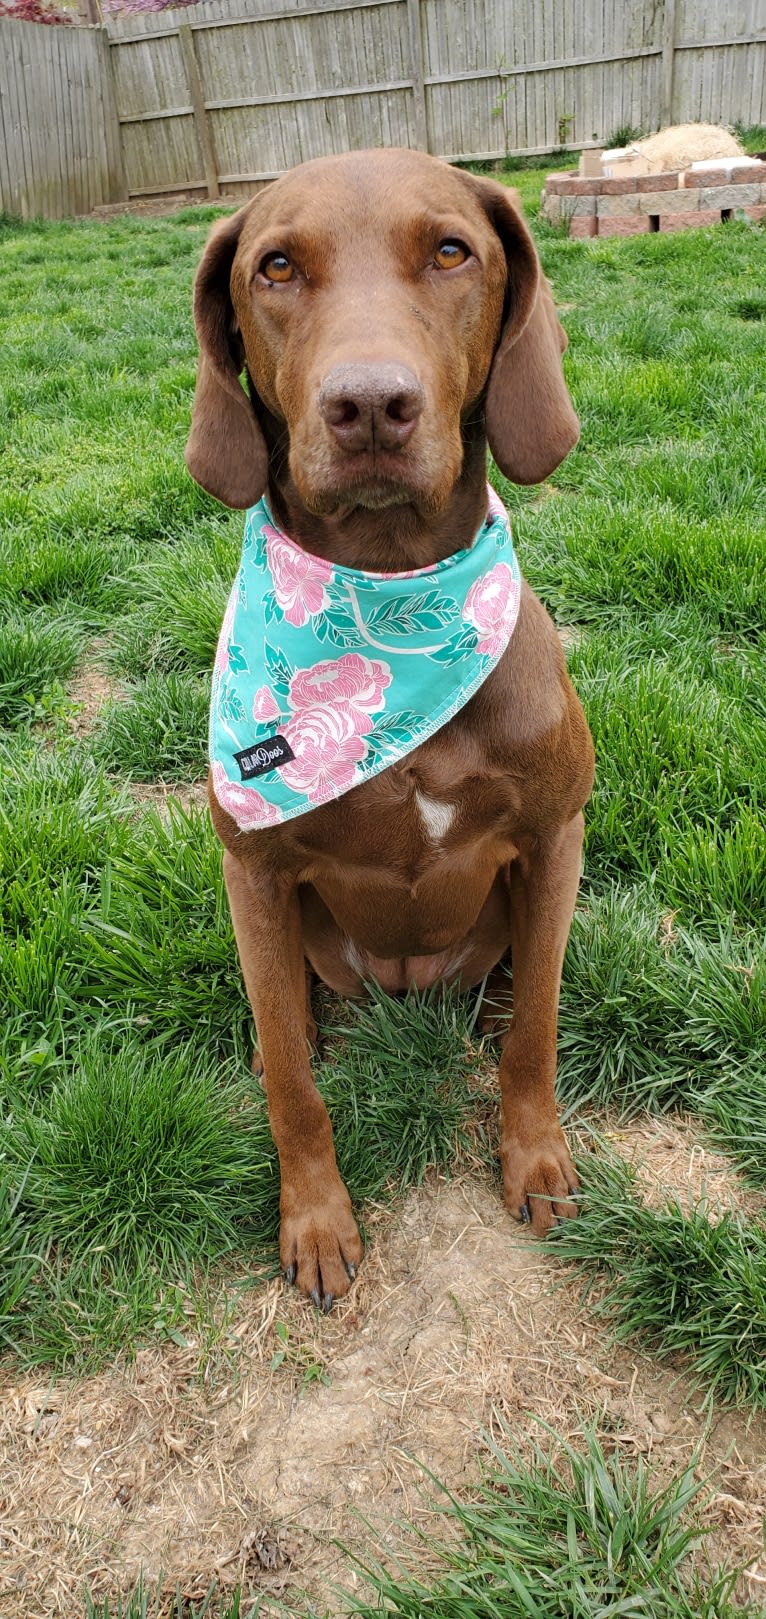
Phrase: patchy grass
[144,1603]
[553,1531]
[690,1284]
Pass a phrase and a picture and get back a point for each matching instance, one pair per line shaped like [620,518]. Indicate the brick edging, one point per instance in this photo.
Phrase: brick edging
[636,204]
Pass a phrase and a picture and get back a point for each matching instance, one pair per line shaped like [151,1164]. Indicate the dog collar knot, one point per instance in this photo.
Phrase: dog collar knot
[324,675]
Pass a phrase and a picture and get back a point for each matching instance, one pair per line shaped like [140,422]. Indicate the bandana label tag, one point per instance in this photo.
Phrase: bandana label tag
[270,754]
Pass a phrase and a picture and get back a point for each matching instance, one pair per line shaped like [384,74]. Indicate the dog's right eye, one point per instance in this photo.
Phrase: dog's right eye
[276,267]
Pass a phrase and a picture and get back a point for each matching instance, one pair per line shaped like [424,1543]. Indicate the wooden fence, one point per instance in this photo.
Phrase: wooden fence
[60,150]
[226,95]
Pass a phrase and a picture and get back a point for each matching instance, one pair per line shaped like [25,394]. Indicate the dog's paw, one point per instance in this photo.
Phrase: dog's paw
[539,1179]
[320,1247]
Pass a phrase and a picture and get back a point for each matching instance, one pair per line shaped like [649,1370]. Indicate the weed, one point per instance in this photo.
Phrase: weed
[298,1359]
[623,135]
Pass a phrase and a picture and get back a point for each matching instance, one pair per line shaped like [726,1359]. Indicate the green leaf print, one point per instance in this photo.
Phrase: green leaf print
[337,625]
[237,661]
[390,730]
[230,705]
[456,648]
[279,669]
[418,615]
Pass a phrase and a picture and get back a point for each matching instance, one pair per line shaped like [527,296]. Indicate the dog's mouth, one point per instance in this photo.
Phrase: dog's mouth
[370,480]
[368,484]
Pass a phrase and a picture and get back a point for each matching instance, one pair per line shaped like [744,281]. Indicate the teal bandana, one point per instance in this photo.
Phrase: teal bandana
[325,676]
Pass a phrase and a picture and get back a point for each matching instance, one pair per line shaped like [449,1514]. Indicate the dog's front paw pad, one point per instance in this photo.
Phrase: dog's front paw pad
[539,1181]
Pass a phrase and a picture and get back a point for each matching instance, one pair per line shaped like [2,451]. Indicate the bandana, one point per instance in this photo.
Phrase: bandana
[324,676]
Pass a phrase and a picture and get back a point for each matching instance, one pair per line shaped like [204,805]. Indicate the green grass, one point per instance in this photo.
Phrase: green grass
[60,820]
[172,603]
[157,730]
[652,1018]
[152,1604]
[690,1285]
[560,1532]
[37,652]
[134,1148]
[135,1160]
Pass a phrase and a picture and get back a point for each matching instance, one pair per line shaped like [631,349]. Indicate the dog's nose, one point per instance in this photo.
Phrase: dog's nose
[371,407]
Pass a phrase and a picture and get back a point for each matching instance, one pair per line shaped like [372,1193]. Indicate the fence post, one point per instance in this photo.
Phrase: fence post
[113,127]
[200,113]
[668,62]
[418,85]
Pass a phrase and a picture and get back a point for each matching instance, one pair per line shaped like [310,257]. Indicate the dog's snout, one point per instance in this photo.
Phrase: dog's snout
[371,407]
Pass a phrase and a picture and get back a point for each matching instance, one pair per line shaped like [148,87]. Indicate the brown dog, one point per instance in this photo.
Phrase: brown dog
[393,318]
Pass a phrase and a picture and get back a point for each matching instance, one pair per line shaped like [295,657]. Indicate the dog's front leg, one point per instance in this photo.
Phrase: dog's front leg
[319,1244]
[538,1174]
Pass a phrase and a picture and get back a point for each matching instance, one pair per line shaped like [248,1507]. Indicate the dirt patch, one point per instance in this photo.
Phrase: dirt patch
[244,1459]
[156,207]
[672,1160]
[88,690]
[156,794]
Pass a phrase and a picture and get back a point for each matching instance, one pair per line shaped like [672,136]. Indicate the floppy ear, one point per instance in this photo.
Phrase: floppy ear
[531,424]
[225,452]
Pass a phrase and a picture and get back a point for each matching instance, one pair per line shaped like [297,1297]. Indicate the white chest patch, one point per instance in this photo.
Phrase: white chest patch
[437,817]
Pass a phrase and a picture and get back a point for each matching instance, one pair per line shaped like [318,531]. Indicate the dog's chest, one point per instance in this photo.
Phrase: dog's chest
[432,816]
[436,816]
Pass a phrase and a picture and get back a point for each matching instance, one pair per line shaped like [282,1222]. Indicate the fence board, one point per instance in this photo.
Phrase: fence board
[91,115]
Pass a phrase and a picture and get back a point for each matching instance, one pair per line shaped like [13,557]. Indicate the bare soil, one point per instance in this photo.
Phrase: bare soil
[211,1462]
[88,690]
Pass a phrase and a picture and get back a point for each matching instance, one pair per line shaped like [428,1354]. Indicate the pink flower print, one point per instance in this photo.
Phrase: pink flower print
[492,605]
[222,649]
[265,705]
[299,579]
[245,804]
[328,746]
[351,682]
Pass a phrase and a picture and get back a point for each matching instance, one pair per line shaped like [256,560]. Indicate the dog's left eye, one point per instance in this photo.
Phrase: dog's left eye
[277,267]
[450,254]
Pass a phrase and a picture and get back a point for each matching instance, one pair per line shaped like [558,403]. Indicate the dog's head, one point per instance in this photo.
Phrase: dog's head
[381,302]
